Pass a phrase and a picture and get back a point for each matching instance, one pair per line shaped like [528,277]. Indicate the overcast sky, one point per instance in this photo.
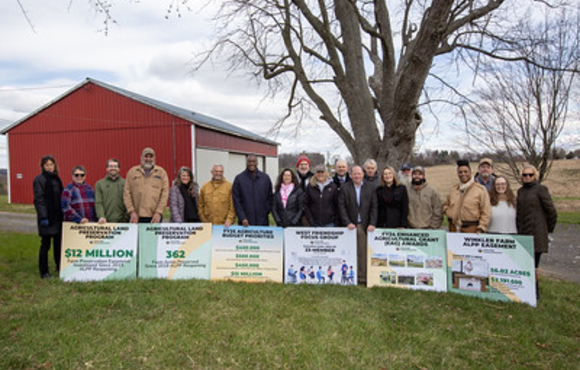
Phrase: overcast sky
[146,53]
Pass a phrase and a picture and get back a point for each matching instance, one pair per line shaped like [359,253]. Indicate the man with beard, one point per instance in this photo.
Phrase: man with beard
[485,175]
[146,190]
[404,175]
[252,195]
[303,171]
[215,199]
[109,203]
[425,211]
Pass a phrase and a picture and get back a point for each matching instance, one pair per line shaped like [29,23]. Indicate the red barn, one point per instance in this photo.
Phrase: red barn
[95,121]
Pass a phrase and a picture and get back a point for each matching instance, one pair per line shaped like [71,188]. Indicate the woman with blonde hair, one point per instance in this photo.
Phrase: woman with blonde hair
[503,207]
[392,201]
[536,214]
[183,197]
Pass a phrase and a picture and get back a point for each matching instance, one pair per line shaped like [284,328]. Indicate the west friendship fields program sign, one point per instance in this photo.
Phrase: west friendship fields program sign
[413,259]
[249,254]
[98,252]
[499,267]
[320,256]
[175,251]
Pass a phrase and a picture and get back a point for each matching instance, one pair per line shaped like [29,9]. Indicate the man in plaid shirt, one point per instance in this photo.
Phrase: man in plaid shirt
[78,199]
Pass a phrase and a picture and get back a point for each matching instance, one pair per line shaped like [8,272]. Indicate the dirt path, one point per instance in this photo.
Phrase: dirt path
[563,261]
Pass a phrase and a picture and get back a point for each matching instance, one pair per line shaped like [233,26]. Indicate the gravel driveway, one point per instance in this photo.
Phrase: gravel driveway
[563,261]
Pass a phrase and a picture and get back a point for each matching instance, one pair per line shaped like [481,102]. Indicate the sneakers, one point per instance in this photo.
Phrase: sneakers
[45,276]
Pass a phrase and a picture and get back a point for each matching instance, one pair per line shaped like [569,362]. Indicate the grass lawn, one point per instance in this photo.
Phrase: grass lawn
[156,324]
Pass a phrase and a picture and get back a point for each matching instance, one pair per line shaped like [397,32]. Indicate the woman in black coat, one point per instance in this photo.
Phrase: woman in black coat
[535,212]
[287,200]
[47,191]
[392,201]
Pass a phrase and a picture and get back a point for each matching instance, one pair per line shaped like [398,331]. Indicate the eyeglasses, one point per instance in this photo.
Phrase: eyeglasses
[527,175]
[79,175]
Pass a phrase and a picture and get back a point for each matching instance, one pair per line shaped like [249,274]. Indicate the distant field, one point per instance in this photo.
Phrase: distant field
[562,182]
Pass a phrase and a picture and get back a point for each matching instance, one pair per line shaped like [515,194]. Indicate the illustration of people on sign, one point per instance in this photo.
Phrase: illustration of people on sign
[311,274]
[344,271]
[302,274]
[330,274]
[351,276]
[320,275]
[292,275]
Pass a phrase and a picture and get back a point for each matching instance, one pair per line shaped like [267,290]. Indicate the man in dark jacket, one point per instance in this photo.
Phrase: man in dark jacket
[252,195]
[341,173]
[357,206]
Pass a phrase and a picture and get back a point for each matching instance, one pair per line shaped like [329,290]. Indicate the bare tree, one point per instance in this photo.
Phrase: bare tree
[523,106]
[360,64]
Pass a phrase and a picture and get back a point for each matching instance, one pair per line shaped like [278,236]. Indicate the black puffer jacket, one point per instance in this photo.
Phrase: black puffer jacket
[291,215]
[47,206]
[321,208]
[536,214]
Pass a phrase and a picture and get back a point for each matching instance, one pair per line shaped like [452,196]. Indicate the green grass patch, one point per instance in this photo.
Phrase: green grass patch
[157,324]
[569,218]
[12,207]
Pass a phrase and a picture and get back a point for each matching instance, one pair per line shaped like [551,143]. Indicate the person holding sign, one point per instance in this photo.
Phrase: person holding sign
[357,207]
[183,198]
[467,206]
[215,204]
[252,195]
[392,201]
[146,190]
[321,200]
[78,199]
[109,195]
[287,200]
[47,190]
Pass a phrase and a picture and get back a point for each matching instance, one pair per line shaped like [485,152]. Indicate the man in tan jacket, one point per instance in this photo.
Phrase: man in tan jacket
[467,206]
[215,203]
[146,190]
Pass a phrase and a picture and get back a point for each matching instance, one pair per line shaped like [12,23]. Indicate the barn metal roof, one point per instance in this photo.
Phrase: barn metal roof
[188,115]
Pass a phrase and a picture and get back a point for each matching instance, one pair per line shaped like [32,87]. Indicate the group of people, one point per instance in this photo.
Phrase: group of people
[361,199]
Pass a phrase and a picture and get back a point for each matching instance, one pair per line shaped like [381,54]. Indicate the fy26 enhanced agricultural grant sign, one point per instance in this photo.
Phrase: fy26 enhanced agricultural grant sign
[174,251]
[98,252]
[413,259]
[320,256]
[499,267]
[249,254]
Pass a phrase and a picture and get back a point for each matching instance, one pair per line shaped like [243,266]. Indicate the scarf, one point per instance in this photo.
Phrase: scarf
[285,191]
[463,187]
[190,206]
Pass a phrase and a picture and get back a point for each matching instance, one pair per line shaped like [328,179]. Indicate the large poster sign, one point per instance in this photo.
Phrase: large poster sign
[320,256]
[250,254]
[413,259]
[499,267]
[98,252]
[174,251]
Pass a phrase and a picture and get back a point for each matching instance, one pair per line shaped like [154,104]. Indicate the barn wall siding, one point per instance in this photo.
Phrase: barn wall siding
[94,124]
